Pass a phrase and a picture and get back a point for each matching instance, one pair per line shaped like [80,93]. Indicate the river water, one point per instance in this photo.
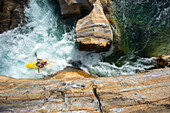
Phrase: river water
[53,39]
[145,25]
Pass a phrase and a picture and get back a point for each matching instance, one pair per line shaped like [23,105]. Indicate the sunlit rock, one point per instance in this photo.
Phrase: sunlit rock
[5,78]
[93,31]
[75,73]
[142,92]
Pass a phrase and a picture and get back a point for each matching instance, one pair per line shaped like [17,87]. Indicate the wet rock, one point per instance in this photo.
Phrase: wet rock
[163,61]
[11,14]
[93,31]
[79,8]
[74,72]
[142,92]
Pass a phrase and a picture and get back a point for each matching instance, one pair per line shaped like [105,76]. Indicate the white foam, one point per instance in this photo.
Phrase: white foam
[48,37]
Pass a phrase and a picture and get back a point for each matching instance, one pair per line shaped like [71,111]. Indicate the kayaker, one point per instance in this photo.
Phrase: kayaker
[41,63]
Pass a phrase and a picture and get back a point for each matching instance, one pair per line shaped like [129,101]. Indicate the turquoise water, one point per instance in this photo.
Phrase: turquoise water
[53,39]
[145,26]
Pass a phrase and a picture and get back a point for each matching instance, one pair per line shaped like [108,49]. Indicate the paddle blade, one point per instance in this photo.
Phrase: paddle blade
[38,70]
[36,55]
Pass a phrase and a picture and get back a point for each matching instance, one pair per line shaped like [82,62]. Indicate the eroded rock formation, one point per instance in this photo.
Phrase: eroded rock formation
[141,92]
[93,31]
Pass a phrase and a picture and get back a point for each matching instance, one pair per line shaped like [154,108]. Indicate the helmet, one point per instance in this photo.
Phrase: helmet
[42,63]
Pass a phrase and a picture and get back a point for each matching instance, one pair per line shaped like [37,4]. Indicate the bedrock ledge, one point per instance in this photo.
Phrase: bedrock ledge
[73,90]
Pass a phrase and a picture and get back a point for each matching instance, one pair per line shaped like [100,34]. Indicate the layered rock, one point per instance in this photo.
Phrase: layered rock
[69,72]
[93,31]
[74,7]
[11,14]
[142,92]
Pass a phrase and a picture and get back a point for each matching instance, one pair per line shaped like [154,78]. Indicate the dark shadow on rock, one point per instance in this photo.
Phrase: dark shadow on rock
[75,64]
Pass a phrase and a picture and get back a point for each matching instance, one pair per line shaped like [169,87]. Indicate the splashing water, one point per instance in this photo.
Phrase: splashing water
[43,35]
[53,40]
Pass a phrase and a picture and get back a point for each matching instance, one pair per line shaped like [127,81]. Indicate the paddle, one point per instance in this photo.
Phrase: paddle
[37,60]
[36,55]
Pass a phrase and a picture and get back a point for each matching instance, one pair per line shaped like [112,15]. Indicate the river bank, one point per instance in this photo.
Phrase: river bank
[74,91]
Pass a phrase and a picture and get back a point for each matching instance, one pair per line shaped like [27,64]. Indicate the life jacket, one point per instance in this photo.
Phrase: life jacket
[39,61]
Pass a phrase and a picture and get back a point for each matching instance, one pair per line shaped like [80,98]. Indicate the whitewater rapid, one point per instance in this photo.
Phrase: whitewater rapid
[53,40]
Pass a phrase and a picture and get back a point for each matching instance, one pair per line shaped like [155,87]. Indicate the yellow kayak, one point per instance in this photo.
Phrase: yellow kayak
[32,65]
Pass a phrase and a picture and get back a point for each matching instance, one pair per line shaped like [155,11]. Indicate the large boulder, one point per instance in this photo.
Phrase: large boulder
[93,31]
[73,92]
[74,7]
[11,14]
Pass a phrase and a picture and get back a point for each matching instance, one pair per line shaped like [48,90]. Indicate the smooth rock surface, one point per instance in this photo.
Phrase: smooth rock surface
[93,31]
[147,91]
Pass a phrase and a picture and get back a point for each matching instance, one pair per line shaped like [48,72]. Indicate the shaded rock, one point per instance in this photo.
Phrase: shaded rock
[104,3]
[93,31]
[74,7]
[142,92]
[163,61]
[11,14]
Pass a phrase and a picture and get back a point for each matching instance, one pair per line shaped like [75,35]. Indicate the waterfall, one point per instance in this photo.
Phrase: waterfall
[53,39]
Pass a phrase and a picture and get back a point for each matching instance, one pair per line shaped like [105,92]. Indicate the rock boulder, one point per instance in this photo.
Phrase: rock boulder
[74,7]
[93,31]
